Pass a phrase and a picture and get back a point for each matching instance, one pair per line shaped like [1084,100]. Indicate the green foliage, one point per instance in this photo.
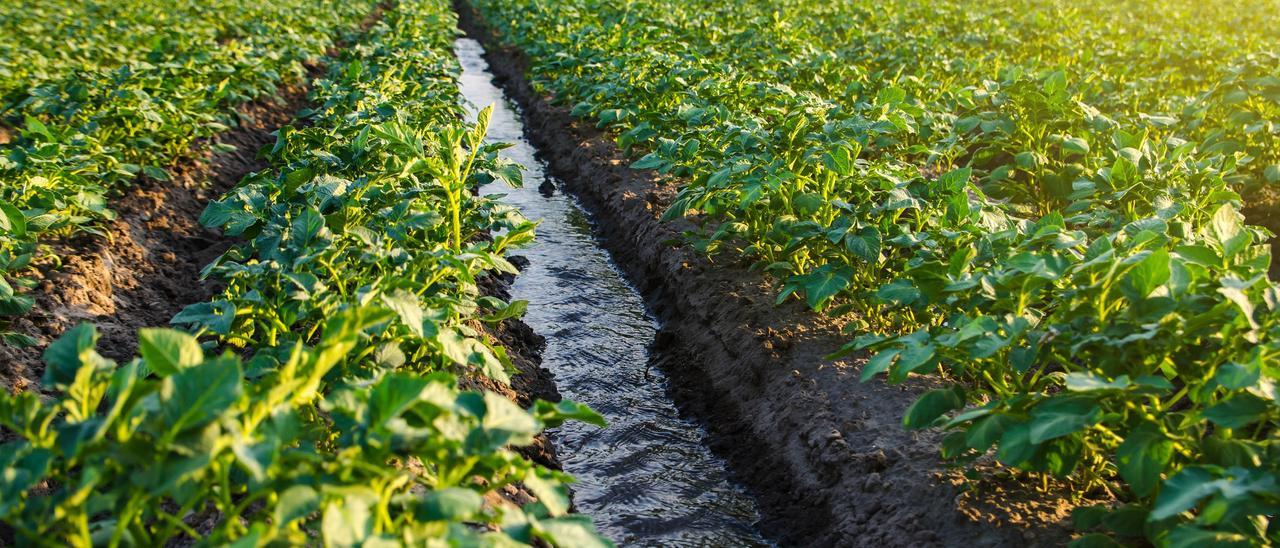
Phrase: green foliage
[350,317]
[1038,200]
[95,95]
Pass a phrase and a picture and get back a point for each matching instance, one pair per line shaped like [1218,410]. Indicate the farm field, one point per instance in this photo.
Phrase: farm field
[833,273]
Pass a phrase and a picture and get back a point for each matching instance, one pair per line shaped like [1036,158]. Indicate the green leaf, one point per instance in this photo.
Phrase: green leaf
[554,414]
[196,395]
[1228,227]
[167,351]
[1060,416]
[12,220]
[22,467]
[406,306]
[1015,445]
[156,173]
[471,352]
[824,283]
[1055,84]
[1182,492]
[506,423]
[1272,173]
[453,504]
[865,244]
[553,495]
[1237,411]
[914,358]
[64,357]
[1238,376]
[1084,381]
[933,404]
[296,502]
[1142,458]
[348,522]
[986,431]
[576,531]
[1189,536]
[1150,273]
[394,394]
[217,316]
[1075,145]
[879,363]
[899,292]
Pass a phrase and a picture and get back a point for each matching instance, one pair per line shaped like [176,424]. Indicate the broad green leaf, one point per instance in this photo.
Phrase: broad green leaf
[1142,458]
[193,396]
[1189,536]
[879,363]
[1182,492]
[1083,381]
[1075,145]
[824,283]
[349,521]
[296,502]
[552,495]
[64,357]
[1061,416]
[167,351]
[933,404]
[1150,273]
[392,395]
[986,431]
[450,504]
[12,220]
[864,244]
[555,414]
[576,531]
[1055,84]
[1238,411]
[1228,228]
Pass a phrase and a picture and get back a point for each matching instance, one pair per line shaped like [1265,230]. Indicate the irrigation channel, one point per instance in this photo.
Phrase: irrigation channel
[647,478]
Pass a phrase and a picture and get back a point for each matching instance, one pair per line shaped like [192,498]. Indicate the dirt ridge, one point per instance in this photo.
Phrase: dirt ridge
[824,455]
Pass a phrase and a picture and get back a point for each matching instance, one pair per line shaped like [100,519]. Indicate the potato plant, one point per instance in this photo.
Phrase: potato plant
[1038,201]
[94,95]
[317,399]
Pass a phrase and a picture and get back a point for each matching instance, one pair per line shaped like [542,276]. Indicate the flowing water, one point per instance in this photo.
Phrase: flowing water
[648,478]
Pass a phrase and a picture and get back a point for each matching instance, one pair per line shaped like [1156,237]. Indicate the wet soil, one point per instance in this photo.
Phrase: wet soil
[824,455]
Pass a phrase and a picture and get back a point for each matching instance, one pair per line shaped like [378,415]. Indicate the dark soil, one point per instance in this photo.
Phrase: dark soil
[824,454]
[1262,208]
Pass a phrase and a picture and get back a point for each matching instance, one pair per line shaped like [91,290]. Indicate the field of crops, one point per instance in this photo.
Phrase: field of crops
[1034,209]
[1038,201]
[319,394]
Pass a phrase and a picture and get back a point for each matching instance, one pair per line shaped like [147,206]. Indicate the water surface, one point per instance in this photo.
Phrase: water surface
[648,478]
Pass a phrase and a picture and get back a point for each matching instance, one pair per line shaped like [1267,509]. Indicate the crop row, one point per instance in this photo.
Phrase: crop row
[324,400]
[120,90]
[1037,201]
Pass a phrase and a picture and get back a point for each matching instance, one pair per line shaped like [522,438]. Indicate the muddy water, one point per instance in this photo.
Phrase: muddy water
[646,479]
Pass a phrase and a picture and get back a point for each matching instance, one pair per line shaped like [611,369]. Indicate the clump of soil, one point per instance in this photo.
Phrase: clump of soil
[824,454]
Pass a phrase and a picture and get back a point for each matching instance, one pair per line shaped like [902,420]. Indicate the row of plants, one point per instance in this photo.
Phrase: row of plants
[1037,201]
[319,398]
[95,95]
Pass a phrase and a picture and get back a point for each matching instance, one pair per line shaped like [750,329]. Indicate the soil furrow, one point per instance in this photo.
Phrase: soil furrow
[824,454]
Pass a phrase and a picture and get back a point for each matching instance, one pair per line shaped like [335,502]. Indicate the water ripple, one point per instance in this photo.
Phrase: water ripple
[647,479]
